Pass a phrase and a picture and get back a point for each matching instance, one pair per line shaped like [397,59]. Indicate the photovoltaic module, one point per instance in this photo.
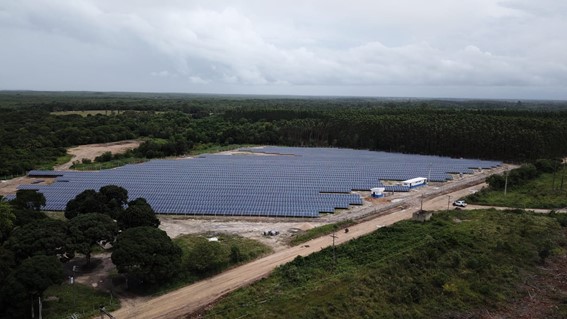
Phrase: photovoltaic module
[270,181]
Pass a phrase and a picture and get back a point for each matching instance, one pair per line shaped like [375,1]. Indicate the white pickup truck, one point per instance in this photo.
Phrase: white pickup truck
[460,203]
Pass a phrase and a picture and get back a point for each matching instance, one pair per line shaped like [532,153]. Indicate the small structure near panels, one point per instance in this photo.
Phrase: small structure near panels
[415,182]
[377,192]
[292,182]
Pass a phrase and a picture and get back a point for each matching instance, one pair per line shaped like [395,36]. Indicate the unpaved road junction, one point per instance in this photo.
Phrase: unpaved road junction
[183,302]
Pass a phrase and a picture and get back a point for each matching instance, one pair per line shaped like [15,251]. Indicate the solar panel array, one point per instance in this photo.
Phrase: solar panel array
[302,182]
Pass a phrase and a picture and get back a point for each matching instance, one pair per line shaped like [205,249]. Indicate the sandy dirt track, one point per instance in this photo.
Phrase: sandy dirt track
[88,151]
[186,300]
[182,302]
[189,299]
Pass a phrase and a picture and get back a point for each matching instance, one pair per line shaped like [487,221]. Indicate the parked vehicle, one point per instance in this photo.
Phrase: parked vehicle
[460,203]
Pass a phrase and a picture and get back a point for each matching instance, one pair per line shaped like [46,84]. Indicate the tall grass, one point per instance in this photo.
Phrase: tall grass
[319,231]
[547,191]
[450,267]
[61,301]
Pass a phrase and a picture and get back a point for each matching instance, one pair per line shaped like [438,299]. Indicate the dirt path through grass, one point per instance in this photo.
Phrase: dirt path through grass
[189,299]
[90,151]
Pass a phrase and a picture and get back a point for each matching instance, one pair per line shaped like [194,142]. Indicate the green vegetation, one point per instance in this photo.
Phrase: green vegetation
[32,137]
[248,249]
[319,231]
[212,148]
[64,300]
[548,191]
[58,161]
[146,254]
[35,246]
[453,266]
[96,166]
[87,112]
[202,259]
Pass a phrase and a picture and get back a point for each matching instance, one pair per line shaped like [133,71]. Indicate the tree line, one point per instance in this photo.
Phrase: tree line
[34,247]
[31,137]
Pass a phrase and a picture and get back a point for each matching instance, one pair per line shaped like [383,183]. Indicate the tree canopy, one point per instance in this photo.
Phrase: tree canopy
[42,237]
[108,200]
[26,216]
[30,279]
[31,136]
[146,253]
[28,199]
[87,230]
[38,273]
[7,219]
[206,256]
[139,213]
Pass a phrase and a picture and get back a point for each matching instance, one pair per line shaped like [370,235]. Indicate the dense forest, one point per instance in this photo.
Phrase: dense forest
[35,129]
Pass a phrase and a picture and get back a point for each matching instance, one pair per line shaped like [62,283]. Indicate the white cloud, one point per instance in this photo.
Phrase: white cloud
[274,46]
[161,74]
[198,80]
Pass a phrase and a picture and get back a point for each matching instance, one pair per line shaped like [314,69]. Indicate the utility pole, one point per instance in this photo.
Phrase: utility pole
[334,235]
[553,180]
[506,184]
[421,206]
[448,202]
[562,178]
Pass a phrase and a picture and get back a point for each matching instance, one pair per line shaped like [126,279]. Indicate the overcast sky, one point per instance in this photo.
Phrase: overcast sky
[411,48]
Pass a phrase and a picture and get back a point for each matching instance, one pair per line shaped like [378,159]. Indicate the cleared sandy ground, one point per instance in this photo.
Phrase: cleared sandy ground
[183,302]
[374,214]
[88,151]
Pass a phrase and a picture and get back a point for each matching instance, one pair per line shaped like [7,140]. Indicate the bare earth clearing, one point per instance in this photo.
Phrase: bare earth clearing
[89,151]
[375,213]
[191,299]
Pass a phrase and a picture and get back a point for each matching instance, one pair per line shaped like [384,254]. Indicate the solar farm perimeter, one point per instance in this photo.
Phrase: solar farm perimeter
[293,182]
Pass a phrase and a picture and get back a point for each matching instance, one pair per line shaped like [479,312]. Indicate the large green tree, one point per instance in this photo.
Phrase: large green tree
[42,237]
[87,230]
[116,198]
[7,219]
[109,200]
[146,253]
[28,199]
[86,202]
[206,256]
[139,213]
[26,216]
[33,276]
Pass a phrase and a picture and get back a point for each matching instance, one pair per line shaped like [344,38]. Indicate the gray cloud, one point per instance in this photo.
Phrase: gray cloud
[468,48]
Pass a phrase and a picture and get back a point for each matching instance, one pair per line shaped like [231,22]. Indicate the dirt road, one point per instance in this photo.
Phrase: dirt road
[186,300]
[89,151]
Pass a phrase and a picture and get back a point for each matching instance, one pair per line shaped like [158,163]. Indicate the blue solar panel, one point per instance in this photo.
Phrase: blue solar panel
[302,182]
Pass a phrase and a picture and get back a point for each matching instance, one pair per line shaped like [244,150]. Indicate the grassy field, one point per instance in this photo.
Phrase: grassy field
[542,192]
[247,249]
[319,231]
[61,301]
[212,148]
[96,166]
[59,161]
[455,266]
[88,112]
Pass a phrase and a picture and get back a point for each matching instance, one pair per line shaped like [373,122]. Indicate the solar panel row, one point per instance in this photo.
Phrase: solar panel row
[302,183]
